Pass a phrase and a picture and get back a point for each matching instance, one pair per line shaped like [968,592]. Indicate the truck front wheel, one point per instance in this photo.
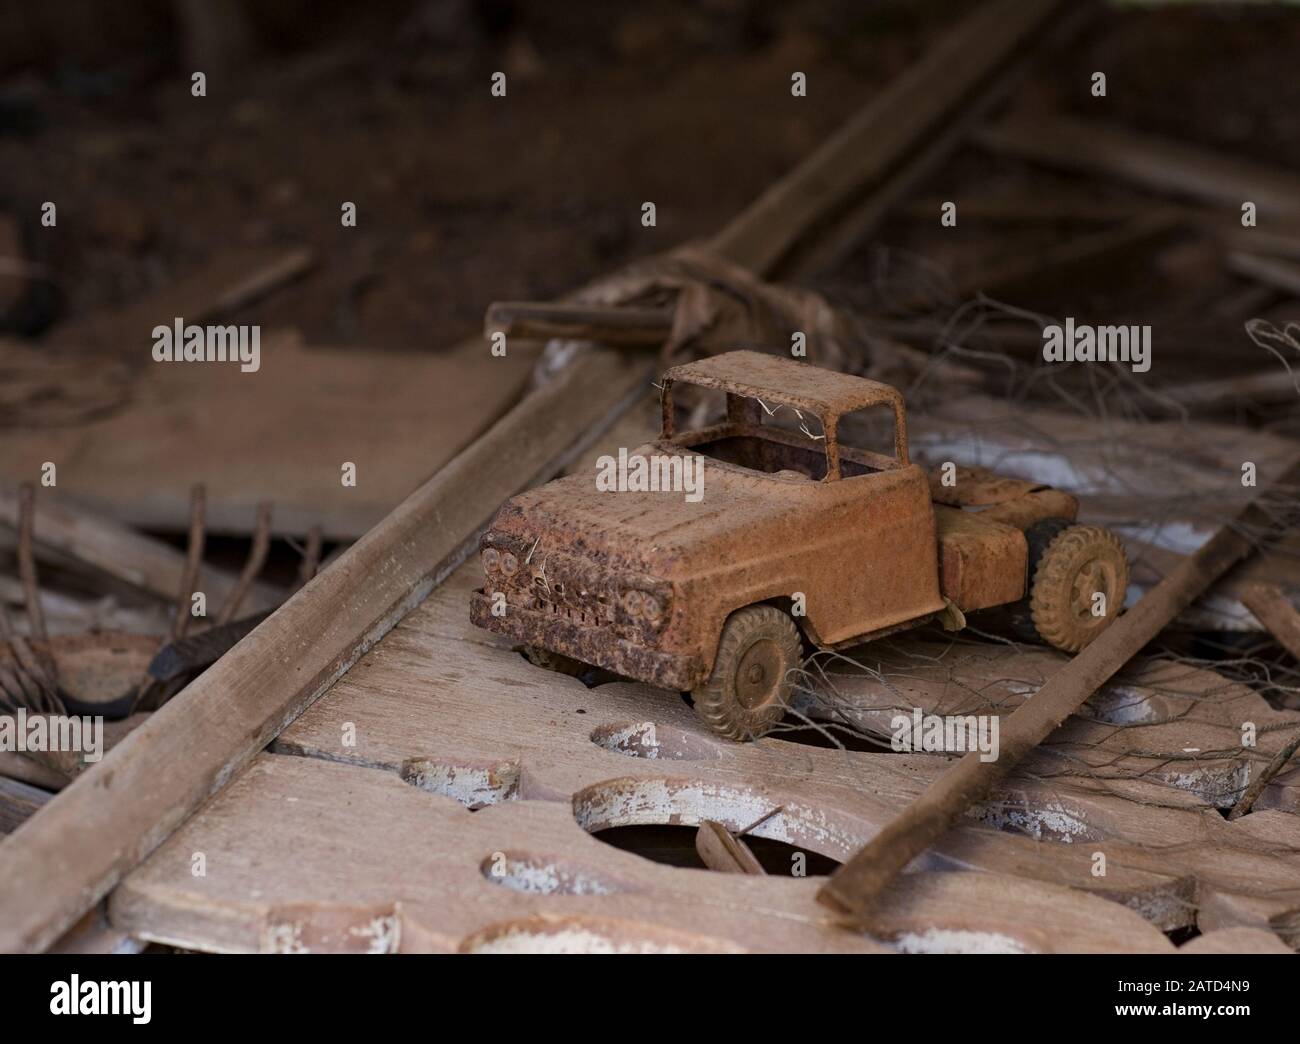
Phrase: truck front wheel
[746,694]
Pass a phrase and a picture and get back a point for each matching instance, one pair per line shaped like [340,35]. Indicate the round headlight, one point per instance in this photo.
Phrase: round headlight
[491,559]
[632,603]
[650,607]
[509,564]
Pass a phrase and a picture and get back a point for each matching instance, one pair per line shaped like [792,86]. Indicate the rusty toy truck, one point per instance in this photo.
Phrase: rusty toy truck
[800,539]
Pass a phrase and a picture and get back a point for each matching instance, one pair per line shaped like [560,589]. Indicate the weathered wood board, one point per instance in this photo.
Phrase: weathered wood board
[356,842]
[347,858]
[281,434]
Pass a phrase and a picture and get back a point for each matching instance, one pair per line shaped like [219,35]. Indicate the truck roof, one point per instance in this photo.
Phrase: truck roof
[759,375]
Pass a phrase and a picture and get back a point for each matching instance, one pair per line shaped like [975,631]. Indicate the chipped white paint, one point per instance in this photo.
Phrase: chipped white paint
[1221,785]
[638,739]
[1123,705]
[472,785]
[382,934]
[956,940]
[284,937]
[646,739]
[631,802]
[1166,911]
[538,877]
[1052,821]
[565,940]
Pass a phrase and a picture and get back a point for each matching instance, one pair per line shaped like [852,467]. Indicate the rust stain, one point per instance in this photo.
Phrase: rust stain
[642,583]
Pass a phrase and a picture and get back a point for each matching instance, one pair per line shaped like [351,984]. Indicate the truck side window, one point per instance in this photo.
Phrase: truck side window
[867,441]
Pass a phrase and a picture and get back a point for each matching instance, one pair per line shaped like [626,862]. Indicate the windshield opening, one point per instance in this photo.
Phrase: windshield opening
[872,436]
[760,435]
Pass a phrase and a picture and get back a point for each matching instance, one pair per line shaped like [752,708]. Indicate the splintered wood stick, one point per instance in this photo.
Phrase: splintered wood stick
[39,664]
[147,692]
[27,561]
[75,538]
[256,559]
[854,888]
[721,850]
[310,556]
[26,684]
[193,563]
[1272,608]
[613,325]
[1247,800]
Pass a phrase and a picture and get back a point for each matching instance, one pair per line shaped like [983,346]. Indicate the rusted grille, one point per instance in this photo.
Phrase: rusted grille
[584,618]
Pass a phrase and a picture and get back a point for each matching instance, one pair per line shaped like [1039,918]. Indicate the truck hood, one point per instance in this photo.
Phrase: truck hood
[654,530]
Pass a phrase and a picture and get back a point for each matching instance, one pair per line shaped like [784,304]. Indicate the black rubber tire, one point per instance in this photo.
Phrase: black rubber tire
[766,643]
[1038,537]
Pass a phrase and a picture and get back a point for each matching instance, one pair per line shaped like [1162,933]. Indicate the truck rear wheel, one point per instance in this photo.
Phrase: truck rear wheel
[1076,564]
[746,694]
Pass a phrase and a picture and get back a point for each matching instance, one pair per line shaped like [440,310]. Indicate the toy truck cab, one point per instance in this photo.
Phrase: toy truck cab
[794,535]
[856,539]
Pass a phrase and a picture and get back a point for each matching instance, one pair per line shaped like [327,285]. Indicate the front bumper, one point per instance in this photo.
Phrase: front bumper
[598,646]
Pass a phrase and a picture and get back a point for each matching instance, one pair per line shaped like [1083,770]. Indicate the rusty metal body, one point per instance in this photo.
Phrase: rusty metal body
[641,582]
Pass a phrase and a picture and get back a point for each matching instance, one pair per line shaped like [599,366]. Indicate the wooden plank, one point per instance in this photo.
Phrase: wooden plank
[721,850]
[453,709]
[1276,612]
[1234,941]
[1151,162]
[454,712]
[104,823]
[18,801]
[93,934]
[613,326]
[310,855]
[855,887]
[280,434]
[68,614]
[901,119]
[64,533]
[1165,724]
[26,770]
